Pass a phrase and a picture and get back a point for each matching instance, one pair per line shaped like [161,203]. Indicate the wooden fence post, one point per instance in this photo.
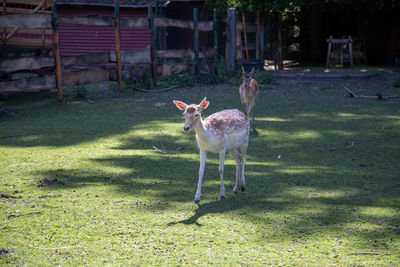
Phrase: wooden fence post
[246,47]
[280,44]
[260,38]
[231,38]
[196,43]
[350,43]
[157,34]
[118,46]
[215,31]
[57,58]
[153,52]
[328,56]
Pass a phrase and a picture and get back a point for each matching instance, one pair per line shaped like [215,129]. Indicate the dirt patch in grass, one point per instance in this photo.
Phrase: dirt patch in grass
[3,195]
[4,252]
[49,196]
[50,182]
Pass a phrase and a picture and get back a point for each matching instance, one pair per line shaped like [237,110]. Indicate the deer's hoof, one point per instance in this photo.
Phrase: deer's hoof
[235,192]
[222,197]
[197,201]
[243,188]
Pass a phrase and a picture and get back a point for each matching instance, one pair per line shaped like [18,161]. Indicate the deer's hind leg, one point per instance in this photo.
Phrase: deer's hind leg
[238,159]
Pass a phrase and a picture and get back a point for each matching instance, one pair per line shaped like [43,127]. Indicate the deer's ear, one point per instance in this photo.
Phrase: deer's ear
[180,104]
[204,103]
[252,71]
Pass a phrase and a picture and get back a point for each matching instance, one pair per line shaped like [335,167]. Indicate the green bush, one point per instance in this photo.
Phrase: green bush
[81,92]
[263,77]
[396,81]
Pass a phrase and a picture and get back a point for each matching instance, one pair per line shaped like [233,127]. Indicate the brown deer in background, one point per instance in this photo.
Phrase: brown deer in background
[226,130]
[248,93]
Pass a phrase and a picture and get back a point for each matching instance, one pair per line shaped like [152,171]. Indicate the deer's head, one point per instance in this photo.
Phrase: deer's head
[246,77]
[191,112]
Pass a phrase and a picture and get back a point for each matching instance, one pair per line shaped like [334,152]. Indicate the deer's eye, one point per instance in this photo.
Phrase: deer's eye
[196,115]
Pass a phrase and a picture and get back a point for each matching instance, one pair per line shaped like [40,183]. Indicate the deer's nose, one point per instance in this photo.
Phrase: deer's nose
[186,129]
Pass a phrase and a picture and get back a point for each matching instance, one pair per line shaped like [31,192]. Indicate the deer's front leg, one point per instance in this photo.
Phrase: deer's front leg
[221,172]
[203,156]
[243,180]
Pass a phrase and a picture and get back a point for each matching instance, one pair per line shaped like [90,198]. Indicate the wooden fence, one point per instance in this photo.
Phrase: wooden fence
[238,46]
[96,67]
[38,37]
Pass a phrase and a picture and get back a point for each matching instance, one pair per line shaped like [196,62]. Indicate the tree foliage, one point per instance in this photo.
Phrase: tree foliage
[282,6]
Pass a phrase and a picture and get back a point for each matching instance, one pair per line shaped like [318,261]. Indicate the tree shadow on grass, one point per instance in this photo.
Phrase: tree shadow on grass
[306,174]
[229,204]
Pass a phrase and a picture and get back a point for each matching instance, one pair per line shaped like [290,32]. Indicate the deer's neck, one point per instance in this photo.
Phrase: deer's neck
[199,128]
[202,132]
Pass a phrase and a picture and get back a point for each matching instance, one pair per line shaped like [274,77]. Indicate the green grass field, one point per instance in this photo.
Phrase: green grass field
[84,184]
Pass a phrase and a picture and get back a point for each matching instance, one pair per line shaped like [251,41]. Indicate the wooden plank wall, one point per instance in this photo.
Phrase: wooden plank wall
[88,68]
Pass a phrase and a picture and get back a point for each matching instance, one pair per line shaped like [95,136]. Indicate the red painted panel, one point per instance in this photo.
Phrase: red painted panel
[82,39]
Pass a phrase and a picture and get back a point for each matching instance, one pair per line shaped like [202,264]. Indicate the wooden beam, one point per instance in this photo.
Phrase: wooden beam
[87,59]
[97,20]
[142,23]
[186,24]
[88,20]
[29,84]
[28,2]
[38,7]
[181,53]
[30,21]
[26,63]
[133,56]
[85,76]
[23,11]
[28,42]
[31,31]
[137,22]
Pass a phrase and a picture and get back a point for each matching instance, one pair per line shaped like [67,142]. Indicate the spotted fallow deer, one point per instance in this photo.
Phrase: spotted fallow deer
[248,91]
[226,130]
